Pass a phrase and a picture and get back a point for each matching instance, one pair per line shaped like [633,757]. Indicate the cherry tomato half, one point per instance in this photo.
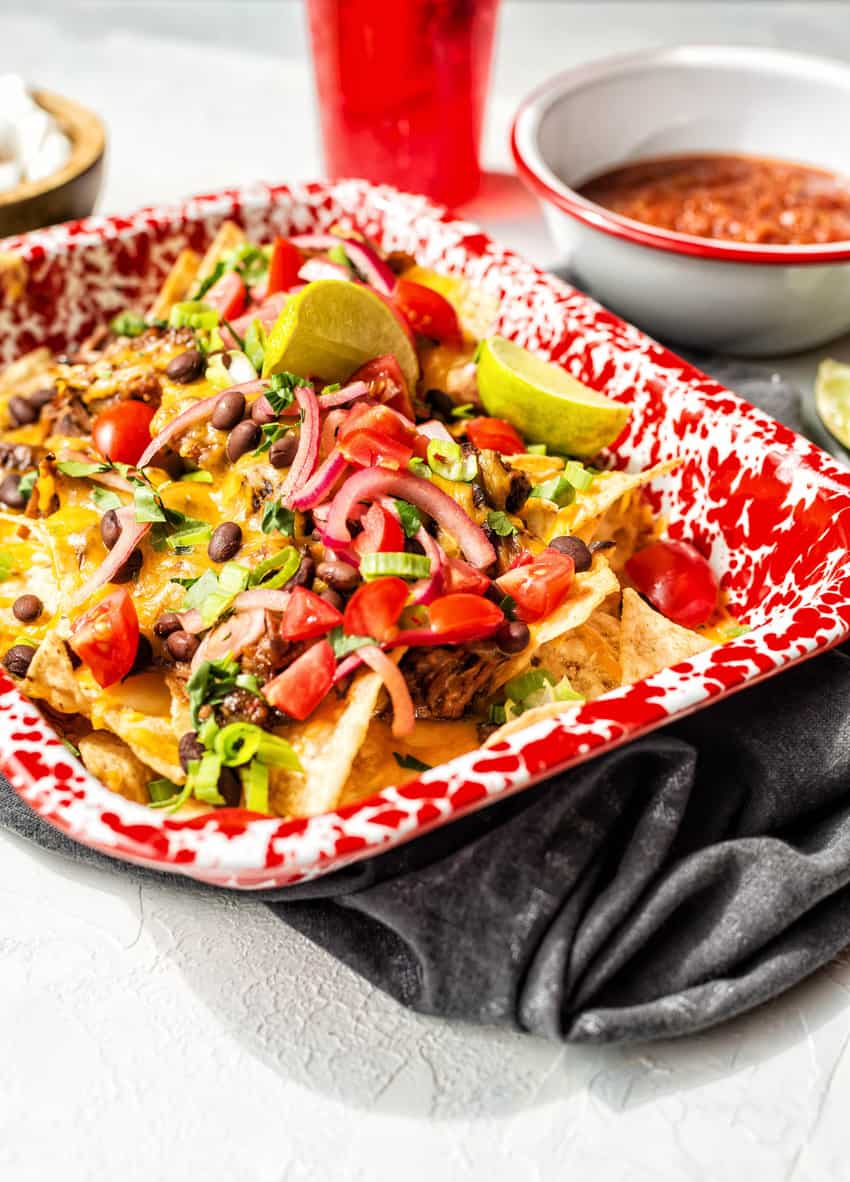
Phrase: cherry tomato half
[426,311]
[540,586]
[382,532]
[227,295]
[376,435]
[386,383]
[460,576]
[374,608]
[307,615]
[676,580]
[122,432]
[460,617]
[495,435]
[300,688]
[106,638]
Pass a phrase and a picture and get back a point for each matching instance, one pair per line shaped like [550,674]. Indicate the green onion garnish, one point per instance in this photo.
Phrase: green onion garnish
[404,566]
[193,314]
[448,459]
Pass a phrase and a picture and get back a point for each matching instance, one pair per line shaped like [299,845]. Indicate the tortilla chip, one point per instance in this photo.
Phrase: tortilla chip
[327,745]
[14,274]
[111,761]
[589,592]
[178,282]
[150,738]
[630,524]
[27,373]
[537,714]
[51,678]
[229,236]
[582,517]
[650,642]
[586,656]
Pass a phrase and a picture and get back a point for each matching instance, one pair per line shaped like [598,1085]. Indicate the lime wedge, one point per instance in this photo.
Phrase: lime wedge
[544,402]
[330,328]
[832,398]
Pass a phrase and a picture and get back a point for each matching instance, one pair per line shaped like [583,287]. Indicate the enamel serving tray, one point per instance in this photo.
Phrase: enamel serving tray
[771,510]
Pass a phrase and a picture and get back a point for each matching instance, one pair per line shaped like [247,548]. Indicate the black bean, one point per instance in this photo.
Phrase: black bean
[182,645]
[40,398]
[22,411]
[340,576]
[225,542]
[167,623]
[10,492]
[282,451]
[333,598]
[574,548]
[18,659]
[263,412]
[27,608]
[110,528]
[494,594]
[305,574]
[230,788]
[440,403]
[513,636]
[186,367]
[190,748]
[243,438]
[143,659]
[130,569]
[228,411]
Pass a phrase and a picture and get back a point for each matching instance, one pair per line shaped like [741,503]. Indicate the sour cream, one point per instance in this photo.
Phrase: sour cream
[32,145]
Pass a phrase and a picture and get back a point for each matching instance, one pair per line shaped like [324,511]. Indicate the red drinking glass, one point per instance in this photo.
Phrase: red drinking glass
[401,86]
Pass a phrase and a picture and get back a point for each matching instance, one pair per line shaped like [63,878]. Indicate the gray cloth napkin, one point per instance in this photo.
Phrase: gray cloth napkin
[653,892]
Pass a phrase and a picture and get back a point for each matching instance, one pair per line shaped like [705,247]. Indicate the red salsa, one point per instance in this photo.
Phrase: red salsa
[735,198]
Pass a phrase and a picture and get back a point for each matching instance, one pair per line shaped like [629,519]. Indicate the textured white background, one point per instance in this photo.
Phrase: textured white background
[150,1034]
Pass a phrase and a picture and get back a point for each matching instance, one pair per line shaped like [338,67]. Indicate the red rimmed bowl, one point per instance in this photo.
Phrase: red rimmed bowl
[734,297]
[771,510]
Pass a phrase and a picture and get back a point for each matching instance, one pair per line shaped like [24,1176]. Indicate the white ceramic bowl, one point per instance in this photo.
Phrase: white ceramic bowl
[752,300]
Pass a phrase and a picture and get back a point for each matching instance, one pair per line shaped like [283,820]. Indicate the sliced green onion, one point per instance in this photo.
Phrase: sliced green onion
[337,255]
[496,714]
[255,781]
[193,533]
[558,489]
[405,566]
[197,477]
[528,683]
[465,411]
[172,803]
[105,499]
[578,475]
[249,682]
[419,468]
[411,763]
[237,743]
[564,692]
[276,752]
[127,324]
[207,732]
[536,449]
[286,563]
[232,579]
[203,778]
[217,374]
[161,791]
[78,468]
[199,589]
[448,459]
[193,314]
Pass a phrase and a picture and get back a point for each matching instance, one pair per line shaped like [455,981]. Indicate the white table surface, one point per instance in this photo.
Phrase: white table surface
[149,1035]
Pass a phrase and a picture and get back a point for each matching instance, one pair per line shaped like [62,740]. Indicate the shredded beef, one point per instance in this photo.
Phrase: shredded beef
[243,706]
[444,680]
[15,457]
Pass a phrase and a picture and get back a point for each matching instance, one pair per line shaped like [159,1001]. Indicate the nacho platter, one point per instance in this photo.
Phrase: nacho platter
[767,508]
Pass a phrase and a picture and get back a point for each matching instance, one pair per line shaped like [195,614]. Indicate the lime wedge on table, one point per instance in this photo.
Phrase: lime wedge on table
[330,328]
[832,398]
[544,402]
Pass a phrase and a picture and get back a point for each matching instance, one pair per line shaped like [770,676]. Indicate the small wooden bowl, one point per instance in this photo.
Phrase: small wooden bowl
[69,193]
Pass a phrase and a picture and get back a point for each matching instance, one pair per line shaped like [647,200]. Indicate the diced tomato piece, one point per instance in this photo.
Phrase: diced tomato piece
[374,608]
[307,615]
[676,580]
[284,265]
[524,558]
[427,312]
[540,586]
[375,434]
[461,576]
[386,383]
[382,532]
[300,688]
[106,638]
[122,431]
[227,295]
[495,435]
[458,618]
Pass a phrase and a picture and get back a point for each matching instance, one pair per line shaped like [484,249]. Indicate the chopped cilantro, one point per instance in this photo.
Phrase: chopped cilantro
[162,791]
[343,644]
[198,589]
[275,571]
[559,490]
[27,483]
[79,468]
[409,517]
[277,517]
[508,605]
[411,762]
[500,523]
[105,499]
[271,433]
[210,684]
[281,389]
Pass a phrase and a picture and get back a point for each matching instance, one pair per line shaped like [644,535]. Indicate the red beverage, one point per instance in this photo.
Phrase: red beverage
[400,87]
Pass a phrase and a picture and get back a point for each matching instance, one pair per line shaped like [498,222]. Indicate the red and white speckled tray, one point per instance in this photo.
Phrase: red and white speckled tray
[770,509]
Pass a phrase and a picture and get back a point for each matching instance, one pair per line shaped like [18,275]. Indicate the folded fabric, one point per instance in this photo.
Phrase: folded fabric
[652,892]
